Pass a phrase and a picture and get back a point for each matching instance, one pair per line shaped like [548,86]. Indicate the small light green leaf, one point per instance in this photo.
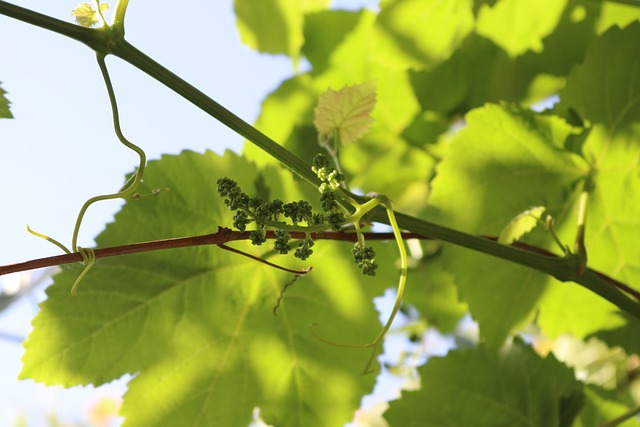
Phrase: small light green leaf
[5,112]
[86,15]
[478,387]
[347,112]
[521,225]
[519,25]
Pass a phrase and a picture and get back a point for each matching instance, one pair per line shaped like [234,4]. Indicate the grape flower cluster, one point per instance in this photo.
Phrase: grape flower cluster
[300,215]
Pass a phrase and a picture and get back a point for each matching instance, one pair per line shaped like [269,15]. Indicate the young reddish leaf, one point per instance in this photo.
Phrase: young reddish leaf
[346,112]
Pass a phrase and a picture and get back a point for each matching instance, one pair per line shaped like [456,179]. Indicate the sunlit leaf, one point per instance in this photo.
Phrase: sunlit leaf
[594,88]
[346,112]
[274,26]
[608,97]
[504,160]
[603,406]
[480,71]
[519,25]
[421,33]
[521,225]
[196,325]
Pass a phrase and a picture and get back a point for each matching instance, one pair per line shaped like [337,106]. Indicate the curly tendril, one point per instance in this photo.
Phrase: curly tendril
[126,191]
[365,255]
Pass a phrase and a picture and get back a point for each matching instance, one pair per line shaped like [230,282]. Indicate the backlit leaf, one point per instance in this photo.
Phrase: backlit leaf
[421,33]
[504,160]
[274,26]
[195,325]
[609,99]
[519,25]
[594,88]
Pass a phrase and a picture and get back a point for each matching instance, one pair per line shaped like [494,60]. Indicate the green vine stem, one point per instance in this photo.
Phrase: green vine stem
[112,41]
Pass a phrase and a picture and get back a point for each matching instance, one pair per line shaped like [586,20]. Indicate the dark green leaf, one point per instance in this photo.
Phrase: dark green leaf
[478,387]
[606,88]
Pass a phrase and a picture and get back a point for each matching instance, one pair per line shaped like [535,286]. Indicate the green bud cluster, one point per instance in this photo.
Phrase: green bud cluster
[299,214]
[304,250]
[323,169]
[273,214]
[282,241]
[365,256]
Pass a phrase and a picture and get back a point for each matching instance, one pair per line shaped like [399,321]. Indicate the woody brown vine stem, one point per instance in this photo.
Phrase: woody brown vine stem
[225,235]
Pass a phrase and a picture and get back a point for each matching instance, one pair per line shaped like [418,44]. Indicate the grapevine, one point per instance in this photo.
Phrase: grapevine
[298,216]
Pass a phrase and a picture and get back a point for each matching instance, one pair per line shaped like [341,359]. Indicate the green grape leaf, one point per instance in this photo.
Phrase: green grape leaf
[608,100]
[626,336]
[274,26]
[480,71]
[5,112]
[504,160]
[518,26]
[602,406]
[431,290]
[346,112]
[521,225]
[397,167]
[320,43]
[478,387]
[619,14]
[86,15]
[421,33]
[196,325]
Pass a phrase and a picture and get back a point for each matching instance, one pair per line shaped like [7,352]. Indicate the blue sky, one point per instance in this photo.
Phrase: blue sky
[60,149]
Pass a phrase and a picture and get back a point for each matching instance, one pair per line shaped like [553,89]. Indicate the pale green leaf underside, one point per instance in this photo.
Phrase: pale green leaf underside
[521,225]
[196,324]
[479,388]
